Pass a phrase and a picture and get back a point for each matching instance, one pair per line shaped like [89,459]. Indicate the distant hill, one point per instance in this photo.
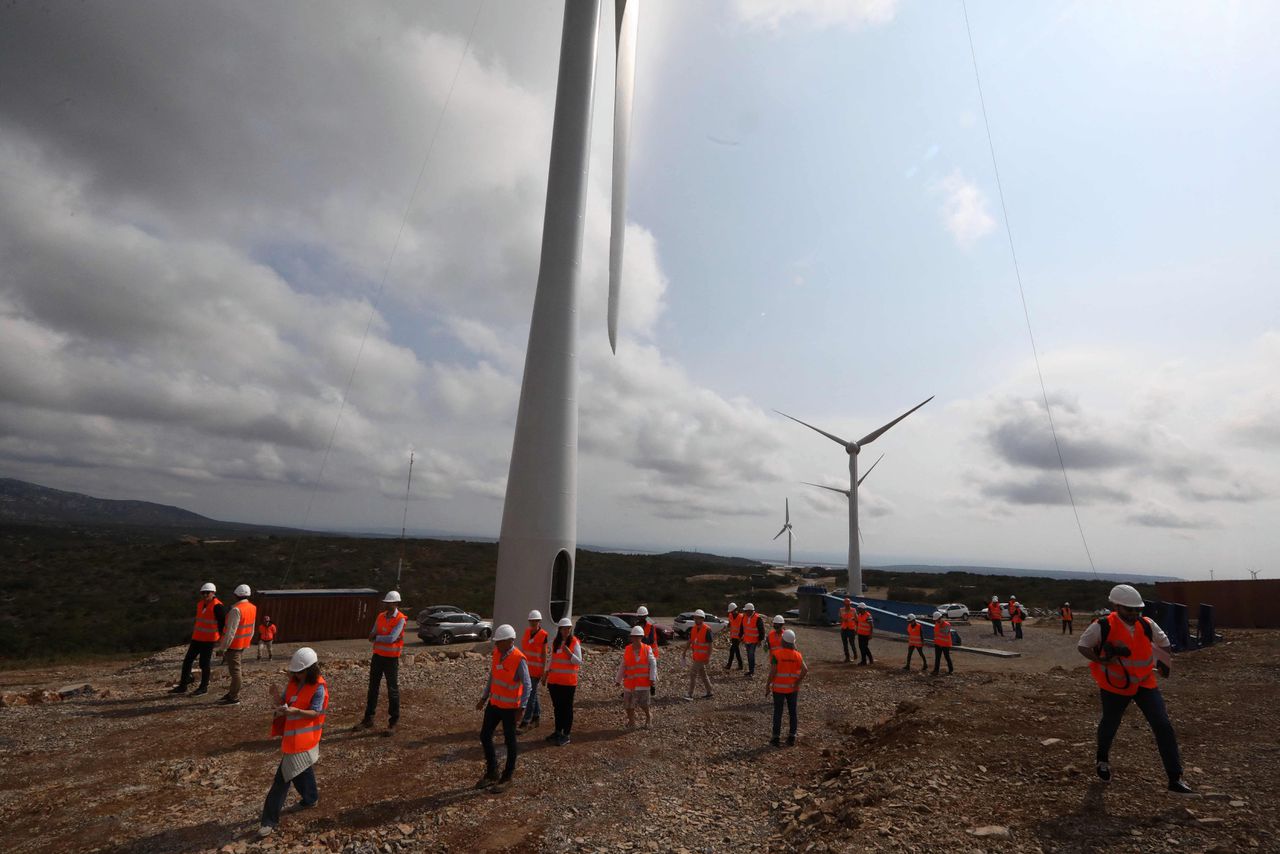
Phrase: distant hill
[703,557]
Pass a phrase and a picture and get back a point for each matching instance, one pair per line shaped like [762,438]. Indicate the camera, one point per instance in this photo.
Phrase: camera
[1116,650]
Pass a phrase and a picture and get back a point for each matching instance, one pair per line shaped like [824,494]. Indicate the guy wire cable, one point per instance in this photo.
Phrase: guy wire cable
[1026,312]
[377,297]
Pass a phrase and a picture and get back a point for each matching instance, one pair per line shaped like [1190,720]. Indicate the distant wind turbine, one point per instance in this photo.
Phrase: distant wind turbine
[786,528]
[853,449]
[846,492]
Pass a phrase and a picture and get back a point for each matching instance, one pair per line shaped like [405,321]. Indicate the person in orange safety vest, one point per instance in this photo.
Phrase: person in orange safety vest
[533,643]
[915,643]
[561,679]
[237,634]
[735,631]
[266,637]
[699,648]
[848,628]
[505,696]
[786,671]
[387,636]
[210,616]
[298,721]
[865,624]
[751,632]
[1065,611]
[996,616]
[1016,616]
[638,676]
[941,642]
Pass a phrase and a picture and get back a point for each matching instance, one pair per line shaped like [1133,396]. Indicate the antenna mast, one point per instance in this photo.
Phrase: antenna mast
[404,520]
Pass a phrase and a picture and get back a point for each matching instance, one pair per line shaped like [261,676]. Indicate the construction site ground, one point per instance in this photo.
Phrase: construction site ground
[998,757]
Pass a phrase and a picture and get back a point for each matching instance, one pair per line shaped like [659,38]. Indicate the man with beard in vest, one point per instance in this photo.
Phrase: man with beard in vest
[735,642]
[236,637]
[504,699]
[211,614]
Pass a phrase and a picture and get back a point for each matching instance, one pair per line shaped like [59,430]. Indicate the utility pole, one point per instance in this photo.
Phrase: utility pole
[404,521]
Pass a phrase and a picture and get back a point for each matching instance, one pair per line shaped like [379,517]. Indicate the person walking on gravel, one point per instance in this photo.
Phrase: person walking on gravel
[751,632]
[699,649]
[561,679]
[786,671]
[237,634]
[298,721]
[774,638]
[504,698]
[848,628]
[1065,612]
[1016,616]
[866,626]
[533,643]
[387,637]
[638,676]
[997,619]
[915,643]
[735,636]
[266,637]
[1124,650]
[210,617]
[941,642]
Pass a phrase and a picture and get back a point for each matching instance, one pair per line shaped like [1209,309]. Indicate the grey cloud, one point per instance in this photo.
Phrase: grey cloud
[1236,491]
[1020,435]
[1048,489]
[1156,515]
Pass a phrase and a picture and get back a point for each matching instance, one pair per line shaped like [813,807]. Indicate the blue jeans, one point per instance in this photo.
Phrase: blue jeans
[790,701]
[533,711]
[305,783]
[751,656]
[1151,703]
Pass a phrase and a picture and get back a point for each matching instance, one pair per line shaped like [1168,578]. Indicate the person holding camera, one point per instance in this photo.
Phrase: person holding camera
[1124,650]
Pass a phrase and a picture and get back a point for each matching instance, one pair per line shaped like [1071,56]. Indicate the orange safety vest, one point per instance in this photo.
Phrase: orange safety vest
[993,611]
[942,633]
[1126,675]
[786,677]
[635,667]
[383,627]
[864,623]
[915,635]
[1066,614]
[1015,612]
[774,640]
[505,689]
[848,618]
[534,646]
[267,633]
[751,628]
[206,628]
[651,637]
[244,630]
[700,643]
[299,734]
[564,670]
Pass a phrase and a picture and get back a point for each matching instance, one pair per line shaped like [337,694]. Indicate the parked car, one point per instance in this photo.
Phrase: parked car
[793,614]
[982,612]
[446,628]
[604,628]
[665,633]
[684,622]
[443,609]
[953,611]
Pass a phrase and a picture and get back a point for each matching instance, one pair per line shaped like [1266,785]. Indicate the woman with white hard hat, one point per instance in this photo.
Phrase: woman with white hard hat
[751,633]
[533,643]
[735,636]
[387,636]
[638,676]
[1124,650]
[915,643]
[561,679]
[699,647]
[786,671]
[941,642]
[504,699]
[298,721]
[211,614]
[774,639]
[1016,616]
[652,638]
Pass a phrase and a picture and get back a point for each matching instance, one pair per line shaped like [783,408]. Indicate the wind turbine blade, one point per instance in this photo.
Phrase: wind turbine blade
[791,533]
[873,465]
[627,21]
[830,436]
[780,533]
[871,437]
[843,492]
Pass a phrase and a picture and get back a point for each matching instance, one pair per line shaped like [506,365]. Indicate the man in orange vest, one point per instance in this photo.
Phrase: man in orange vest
[751,632]
[638,676]
[997,619]
[786,671]
[561,679]
[210,616]
[865,624]
[504,698]
[735,633]
[848,627]
[941,642]
[1065,611]
[388,642]
[699,647]
[533,643]
[1016,617]
[1124,650]
[299,723]
[915,643]
[266,637]
[237,634]
[774,639]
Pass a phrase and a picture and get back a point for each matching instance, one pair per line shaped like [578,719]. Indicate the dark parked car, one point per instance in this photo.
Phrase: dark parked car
[446,628]
[604,628]
[665,633]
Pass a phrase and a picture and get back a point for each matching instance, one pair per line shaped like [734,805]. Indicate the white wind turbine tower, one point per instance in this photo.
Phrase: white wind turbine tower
[847,492]
[852,449]
[538,540]
[786,527]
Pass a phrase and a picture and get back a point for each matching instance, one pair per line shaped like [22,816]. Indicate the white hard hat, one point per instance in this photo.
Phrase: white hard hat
[504,632]
[565,623]
[748,607]
[1068,604]
[637,632]
[392,596]
[243,591]
[937,615]
[700,613]
[788,636]
[208,587]
[535,614]
[302,659]
[862,606]
[642,611]
[778,619]
[911,618]
[1124,594]
[733,606]
[1011,598]
[995,598]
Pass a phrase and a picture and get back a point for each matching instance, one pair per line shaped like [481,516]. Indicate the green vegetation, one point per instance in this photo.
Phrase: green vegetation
[975,590]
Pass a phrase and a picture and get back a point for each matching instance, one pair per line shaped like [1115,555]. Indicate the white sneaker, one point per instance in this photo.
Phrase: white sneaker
[265,831]
[688,698]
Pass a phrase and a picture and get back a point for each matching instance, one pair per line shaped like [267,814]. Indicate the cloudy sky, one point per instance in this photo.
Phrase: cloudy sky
[199,204]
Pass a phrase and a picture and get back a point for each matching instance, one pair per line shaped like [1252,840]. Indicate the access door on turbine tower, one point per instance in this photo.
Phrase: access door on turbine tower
[561,585]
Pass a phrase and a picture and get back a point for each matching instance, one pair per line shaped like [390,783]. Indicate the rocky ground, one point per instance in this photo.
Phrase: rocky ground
[998,757]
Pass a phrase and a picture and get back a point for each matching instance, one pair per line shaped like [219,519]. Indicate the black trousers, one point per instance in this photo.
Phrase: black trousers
[379,667]
[790,701]
[562,705]
[305,783]
[997,627]
[912,650]
[864,650]
[1017,630]
[1151,703]
[938,653]
[203,650]
[847,641]
[1066,628]
[492,717]
[735,651]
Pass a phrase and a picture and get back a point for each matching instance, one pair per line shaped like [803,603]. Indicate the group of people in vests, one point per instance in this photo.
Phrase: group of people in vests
[1016,616]
[229,631]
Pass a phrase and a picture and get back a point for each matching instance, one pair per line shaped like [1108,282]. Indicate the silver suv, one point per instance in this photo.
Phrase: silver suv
[684,622]
[446,628]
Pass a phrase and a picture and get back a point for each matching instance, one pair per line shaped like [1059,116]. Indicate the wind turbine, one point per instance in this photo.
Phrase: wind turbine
[538,540]
[786,528]
[853,449]
[846,492]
